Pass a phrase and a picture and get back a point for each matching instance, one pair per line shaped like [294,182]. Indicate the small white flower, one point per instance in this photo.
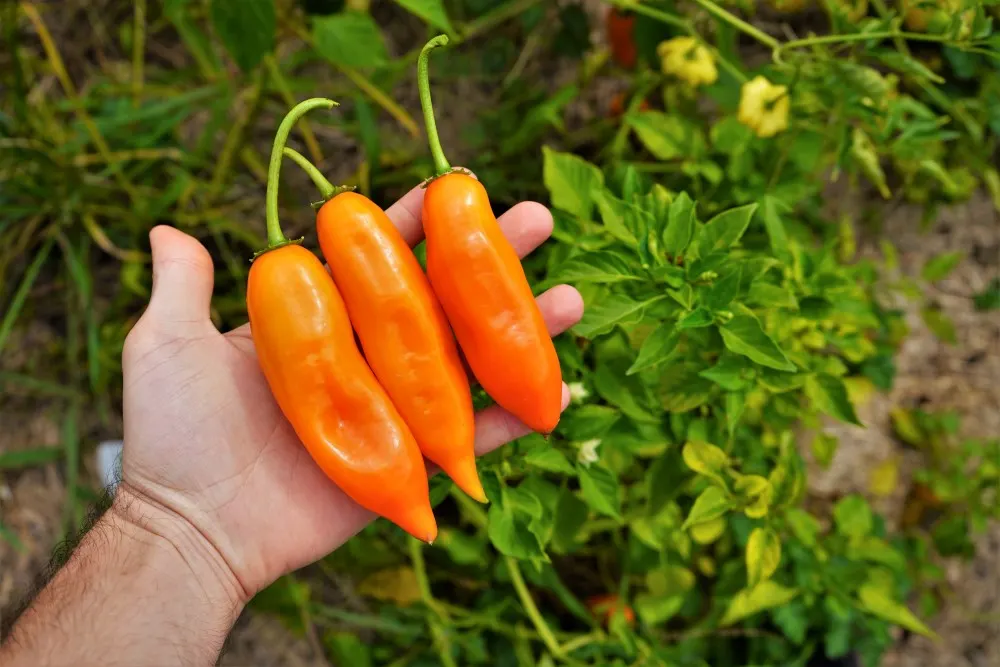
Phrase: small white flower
[588,451]
[577,392]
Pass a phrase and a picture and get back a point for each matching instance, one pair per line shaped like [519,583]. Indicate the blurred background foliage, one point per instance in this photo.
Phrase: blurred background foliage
[711,167]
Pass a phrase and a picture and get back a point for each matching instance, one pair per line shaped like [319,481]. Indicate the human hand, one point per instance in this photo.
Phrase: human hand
[208,454]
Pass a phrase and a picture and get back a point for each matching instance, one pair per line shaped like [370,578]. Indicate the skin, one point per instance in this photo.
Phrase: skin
[338,409]
[478,277]
[404,333]
[219,497]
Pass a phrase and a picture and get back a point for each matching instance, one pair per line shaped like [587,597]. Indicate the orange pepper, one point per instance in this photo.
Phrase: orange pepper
[478,278]
[605,606]
[403,331]
[620,27]
[322,384]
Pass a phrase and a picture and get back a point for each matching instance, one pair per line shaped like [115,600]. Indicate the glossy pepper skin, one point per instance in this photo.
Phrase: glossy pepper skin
[342,415]
[403,331]
[478,278]
[306,348]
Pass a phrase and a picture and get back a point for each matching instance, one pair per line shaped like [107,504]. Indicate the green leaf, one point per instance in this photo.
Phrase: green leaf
[700,317]
[775,228]
[875,600]
[431,11]
[736,402]
[511,535]
[624,391]
[829,395]
[749,601]
[770,295]
[710,504]
[729,372]
[599,487]
[664,480]
[940,266]
[657,609]
[571,181]
[614,214]
[824,448]
[729,135]
[682,389]
[664,135]
[588,421]
[521,499]
[600,266]
[725,229]
[793,619]
[744,335]
[804,525]
[763,555]
[550,459]
[756,493]
[989,298]
[680,226]
[705,459]
[669,274]
[670,580]
[349,38]
[853,517]
[245,28]
[939,324]
[658,347]
[570,516]
[724,290]
[815,308]
[601,317]
[347,649]
[780,382]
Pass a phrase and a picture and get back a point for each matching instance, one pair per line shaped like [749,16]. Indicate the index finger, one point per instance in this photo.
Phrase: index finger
[405,214]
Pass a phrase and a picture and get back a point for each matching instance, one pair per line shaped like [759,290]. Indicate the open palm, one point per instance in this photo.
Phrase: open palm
[205,441]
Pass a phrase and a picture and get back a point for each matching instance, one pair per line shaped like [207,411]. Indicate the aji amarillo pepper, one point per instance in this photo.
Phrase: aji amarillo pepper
[403,331]
[322,384]
[478,278]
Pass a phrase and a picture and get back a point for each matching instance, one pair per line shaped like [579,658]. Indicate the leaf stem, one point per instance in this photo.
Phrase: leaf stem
[855,37]
[420,571]
[275,237]
[738,23]
[327,189]
[531,608]
[441,165]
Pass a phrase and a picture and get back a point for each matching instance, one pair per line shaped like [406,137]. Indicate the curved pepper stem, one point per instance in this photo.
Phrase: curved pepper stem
[275,237]
[441,164]
[327,189]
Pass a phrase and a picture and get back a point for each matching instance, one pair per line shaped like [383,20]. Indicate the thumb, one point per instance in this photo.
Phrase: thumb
[183,277]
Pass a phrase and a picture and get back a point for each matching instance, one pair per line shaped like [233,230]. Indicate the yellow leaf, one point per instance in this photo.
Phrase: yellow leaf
[394,584]
[884,477]
[763,555]
[859,390]
[708,532]
[765,595]
[906,427]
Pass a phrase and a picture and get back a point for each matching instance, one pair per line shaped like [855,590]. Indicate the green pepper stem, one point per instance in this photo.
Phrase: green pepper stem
[325,187]
[423,84]
[275,237]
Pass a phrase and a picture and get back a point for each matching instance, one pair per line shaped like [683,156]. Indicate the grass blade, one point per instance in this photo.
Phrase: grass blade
[17,303]
[28,458]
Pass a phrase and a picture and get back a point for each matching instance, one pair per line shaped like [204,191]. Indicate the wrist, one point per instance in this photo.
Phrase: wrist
[144,572]
[175,544]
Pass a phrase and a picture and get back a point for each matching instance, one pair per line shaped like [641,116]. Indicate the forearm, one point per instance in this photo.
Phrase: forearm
[141,588]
